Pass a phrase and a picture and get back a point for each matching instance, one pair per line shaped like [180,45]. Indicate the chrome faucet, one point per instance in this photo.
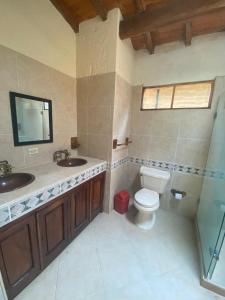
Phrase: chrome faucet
[57,156]
[5,168]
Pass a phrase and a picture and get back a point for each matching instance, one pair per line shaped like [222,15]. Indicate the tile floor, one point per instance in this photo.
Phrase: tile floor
[114,260]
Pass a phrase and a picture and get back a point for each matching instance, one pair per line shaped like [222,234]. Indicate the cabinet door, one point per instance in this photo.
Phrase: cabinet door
[79,209]
[19,258]
[97,194]
[53,229]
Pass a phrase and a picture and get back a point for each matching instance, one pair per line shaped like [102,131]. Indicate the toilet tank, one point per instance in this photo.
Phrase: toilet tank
[154,179]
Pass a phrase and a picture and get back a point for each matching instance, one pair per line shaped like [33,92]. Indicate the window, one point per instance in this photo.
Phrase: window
[175,96]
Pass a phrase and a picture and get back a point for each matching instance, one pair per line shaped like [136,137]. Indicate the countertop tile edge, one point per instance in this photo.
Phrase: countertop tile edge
[25,204]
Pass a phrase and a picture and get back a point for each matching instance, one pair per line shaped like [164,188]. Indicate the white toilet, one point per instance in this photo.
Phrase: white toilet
[153,183]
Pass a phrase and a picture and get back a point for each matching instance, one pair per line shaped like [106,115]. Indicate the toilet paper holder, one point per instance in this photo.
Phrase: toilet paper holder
[180,194]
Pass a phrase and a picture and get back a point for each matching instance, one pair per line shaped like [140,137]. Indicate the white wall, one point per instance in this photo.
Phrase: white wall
[172,63]
[96,46]
[35,28]
[125,56]
[100,49]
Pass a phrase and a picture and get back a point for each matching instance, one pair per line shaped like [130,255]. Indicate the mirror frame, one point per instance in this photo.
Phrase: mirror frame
[12,96]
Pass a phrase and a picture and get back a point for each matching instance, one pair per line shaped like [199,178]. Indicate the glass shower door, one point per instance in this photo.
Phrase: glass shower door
[211,210]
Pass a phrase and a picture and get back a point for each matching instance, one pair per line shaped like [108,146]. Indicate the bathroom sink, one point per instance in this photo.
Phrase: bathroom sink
[15,181]
[72,162]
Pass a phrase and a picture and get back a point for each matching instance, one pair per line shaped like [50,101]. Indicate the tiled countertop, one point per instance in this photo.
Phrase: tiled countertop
[50,181]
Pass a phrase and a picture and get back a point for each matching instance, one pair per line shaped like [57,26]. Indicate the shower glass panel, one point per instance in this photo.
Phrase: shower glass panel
[211,210]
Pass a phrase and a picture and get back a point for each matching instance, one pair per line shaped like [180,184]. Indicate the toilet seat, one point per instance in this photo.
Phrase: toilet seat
[147,198]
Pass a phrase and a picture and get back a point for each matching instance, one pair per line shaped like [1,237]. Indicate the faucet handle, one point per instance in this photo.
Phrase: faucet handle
[67,154]
[9,168]
[5,168]
[57,156]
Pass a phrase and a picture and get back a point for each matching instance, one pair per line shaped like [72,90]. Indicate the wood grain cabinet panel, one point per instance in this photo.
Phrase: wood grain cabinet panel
[96,195]
[19,257]
[30,243]
[79,209]
[53,229]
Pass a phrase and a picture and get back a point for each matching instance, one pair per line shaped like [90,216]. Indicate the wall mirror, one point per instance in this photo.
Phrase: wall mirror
[31,119]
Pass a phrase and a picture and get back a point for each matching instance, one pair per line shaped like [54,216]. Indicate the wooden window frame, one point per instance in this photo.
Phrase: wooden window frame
[212,82]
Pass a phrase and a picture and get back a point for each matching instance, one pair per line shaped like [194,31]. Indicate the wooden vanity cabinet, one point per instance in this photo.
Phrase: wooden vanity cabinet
[79,209]
[31,242]
[96,195]
[19,256]
[52,223]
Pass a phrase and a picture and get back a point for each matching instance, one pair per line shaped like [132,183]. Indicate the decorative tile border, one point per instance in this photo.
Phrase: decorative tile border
[178,168]
[167,166]
[74,181]
[117,163]
[30,203]
[4,216]
[18,208]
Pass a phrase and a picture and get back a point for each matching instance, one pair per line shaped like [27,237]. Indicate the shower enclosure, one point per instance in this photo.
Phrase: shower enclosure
[211,212]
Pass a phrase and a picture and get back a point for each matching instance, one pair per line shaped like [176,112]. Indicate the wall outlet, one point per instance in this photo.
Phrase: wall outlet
[33,151]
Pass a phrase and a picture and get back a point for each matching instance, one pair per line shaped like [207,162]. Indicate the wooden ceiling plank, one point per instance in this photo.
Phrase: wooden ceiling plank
[206,24]
[100,9]
[188,34]
[180,10]
[67,14]
[149,42]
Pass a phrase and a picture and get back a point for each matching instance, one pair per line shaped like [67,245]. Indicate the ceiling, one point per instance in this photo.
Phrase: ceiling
[149,23]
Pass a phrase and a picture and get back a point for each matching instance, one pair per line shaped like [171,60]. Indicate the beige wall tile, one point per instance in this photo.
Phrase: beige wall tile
[140,146]
[197,124]
[82,91]
[101,89]
[163,148]
[99,146]
[134,183]
[33,77]
[192,152]
[8,74]
[14,155]
[23,74]
[136,98]
[5,113]
[121,122]
[83,141]
[44,155]
[100,119]
[82,120]
[141,122]
[122,105]
[8,82]
[179,136]
[119,153]
[192,185]
[62,87]
[123,92]
[164,123]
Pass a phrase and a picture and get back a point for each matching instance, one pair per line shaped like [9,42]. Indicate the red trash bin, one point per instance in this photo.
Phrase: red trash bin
[121,202]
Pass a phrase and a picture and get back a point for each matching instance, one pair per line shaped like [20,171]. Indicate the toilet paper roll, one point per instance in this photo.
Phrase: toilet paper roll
[178,196]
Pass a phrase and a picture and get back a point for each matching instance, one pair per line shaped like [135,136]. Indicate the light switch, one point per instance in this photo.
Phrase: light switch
[33,151]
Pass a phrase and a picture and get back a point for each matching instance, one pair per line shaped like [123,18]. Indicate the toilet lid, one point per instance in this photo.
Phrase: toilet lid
[147,198]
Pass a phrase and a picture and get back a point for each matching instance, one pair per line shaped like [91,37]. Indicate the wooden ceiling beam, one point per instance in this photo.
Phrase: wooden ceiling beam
[100,9]
[149,42]
[140,5]
[188,34]
[177,11]
[206,24]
